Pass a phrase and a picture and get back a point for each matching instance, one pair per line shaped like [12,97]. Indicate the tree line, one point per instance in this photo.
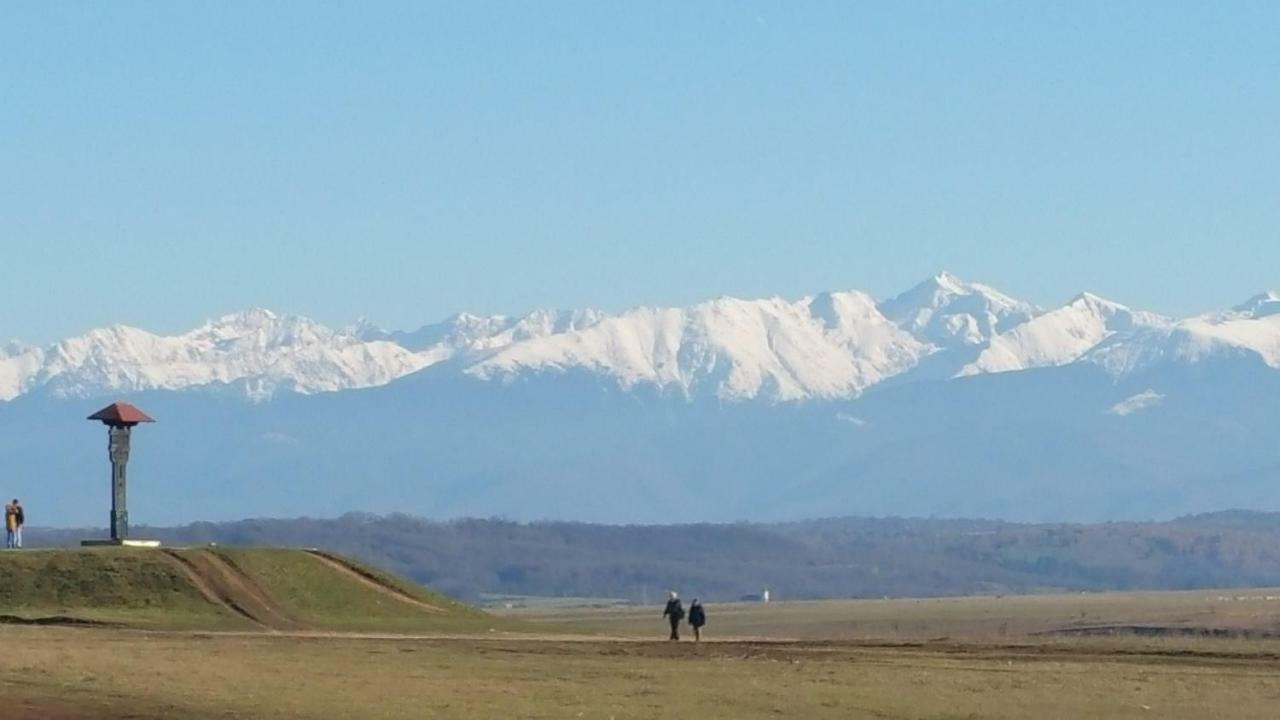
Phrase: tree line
[831,558]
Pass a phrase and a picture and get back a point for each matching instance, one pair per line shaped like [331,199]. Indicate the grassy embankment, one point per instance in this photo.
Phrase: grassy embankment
[222,589]
[117,586]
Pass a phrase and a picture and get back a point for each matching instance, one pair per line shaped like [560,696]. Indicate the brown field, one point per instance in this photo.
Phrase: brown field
[114,674]
[1246,614]
[956,658]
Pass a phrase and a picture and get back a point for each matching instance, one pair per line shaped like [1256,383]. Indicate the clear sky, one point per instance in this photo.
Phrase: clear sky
[161,163]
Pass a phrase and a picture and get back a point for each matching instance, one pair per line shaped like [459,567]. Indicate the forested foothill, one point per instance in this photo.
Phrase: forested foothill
[831,558]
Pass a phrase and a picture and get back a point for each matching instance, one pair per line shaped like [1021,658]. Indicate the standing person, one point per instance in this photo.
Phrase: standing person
[674,613]
[19,519]
[11,524]
[697,618]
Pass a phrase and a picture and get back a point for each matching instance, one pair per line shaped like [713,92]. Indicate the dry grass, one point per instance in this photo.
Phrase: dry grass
[118,674]
[1253,612]
[927,659]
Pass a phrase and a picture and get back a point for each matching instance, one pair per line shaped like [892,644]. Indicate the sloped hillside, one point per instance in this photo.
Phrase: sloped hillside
[209,588]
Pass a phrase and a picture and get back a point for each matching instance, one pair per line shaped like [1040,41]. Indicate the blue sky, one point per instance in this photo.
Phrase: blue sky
[167,162]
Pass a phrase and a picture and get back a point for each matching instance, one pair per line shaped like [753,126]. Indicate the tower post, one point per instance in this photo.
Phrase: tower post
[118,450]
[120,419]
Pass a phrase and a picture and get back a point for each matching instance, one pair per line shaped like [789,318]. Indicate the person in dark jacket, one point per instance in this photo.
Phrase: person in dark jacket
[674,614]
[697,618]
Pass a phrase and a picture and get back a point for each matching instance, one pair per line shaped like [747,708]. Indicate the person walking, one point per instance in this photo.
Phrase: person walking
[674,613]
[12,525]
[19,520]
[697,618]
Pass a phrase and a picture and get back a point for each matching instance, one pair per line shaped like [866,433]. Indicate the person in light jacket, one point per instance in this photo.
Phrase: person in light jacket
[674,613]
[13,521]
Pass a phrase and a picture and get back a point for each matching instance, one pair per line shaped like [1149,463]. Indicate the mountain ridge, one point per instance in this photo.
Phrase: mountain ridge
[830,345]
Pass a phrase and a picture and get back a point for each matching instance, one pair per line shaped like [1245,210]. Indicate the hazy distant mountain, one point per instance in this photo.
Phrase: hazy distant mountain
[831,345]
[950,399]
[258,351]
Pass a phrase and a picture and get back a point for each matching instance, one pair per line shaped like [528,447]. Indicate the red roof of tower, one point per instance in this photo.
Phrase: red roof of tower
[119,413]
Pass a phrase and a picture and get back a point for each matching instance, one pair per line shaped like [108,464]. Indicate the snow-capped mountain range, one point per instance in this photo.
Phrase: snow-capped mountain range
[951,399]
[833,345]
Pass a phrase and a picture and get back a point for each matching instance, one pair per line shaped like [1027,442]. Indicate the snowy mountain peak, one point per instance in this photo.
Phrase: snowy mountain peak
[260,329]
[833,309]
[830,345]
[1259,306]
[1097,303]
[950,312]
[1061,336]
[258,350]
[258,315]
[364,329]
[947,282]
[240,324]
[245,320]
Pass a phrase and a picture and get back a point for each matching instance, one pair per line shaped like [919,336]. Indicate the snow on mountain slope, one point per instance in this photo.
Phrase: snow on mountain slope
[832,345]
[265,351]
[1248,330]
[1198,338]
[949,312]
[18,367]
[1136,403]
[1060,336]
[467,332]
[1259,306]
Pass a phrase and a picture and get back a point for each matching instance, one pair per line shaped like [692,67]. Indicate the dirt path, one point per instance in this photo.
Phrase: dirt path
[1209,655]
[225,584]
[372,581]
[216,596]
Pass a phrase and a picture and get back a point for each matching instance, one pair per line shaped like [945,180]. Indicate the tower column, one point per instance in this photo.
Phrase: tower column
[118,450]
[120,419]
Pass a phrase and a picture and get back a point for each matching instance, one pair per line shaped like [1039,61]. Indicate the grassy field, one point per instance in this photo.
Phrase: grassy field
[296,634]
[111,675]
[1241,613]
